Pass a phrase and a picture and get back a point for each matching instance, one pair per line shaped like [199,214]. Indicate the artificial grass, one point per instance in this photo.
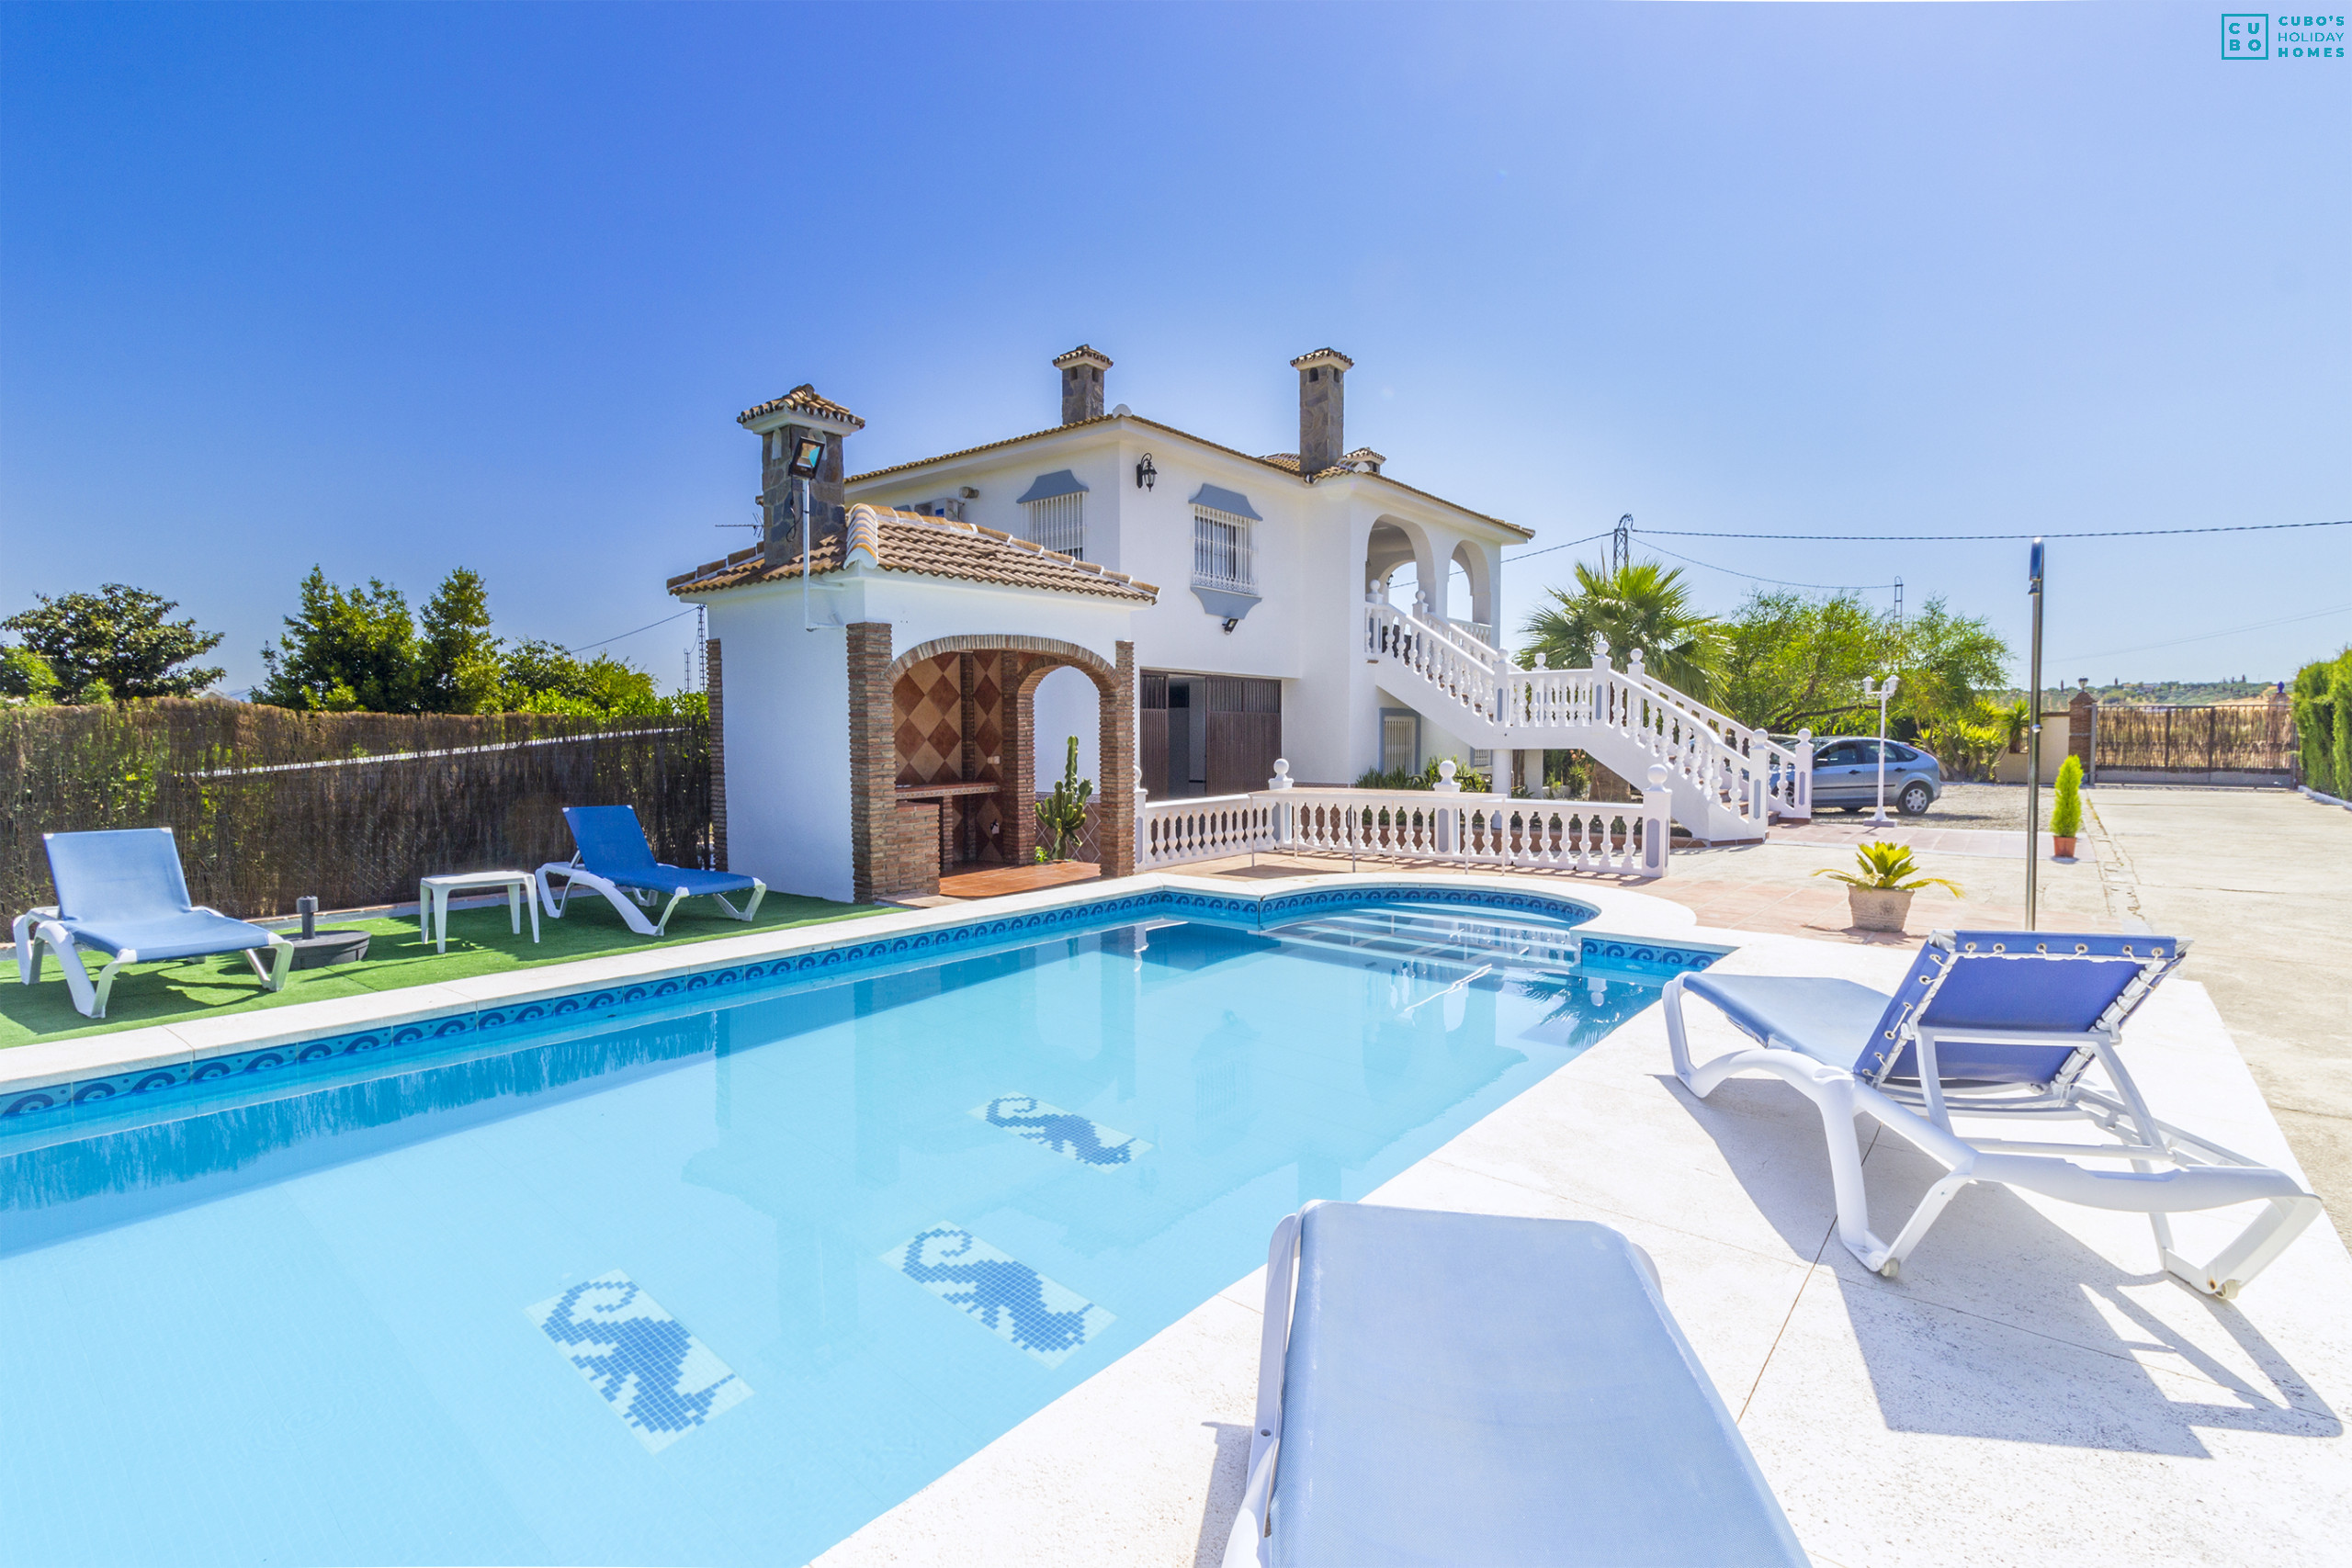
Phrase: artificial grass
[479,943]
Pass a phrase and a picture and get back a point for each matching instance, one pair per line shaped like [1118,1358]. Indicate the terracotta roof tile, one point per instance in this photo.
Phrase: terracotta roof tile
[929,547]
[1282,462]
[803,399]
[1323,356]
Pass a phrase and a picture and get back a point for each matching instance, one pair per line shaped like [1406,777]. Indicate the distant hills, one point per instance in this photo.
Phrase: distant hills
[2173,693]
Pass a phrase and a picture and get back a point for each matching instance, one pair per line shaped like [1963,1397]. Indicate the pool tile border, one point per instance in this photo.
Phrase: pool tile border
[159,1060]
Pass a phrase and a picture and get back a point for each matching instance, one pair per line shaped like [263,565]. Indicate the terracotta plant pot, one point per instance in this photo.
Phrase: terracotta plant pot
[1879,908]
[2062,848]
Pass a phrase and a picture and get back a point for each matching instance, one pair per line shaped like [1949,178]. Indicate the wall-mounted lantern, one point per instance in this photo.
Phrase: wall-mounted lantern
[1144,473]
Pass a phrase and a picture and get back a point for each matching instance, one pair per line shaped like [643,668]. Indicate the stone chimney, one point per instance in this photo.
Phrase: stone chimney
[784,426]
[1321,413]
[1082,370]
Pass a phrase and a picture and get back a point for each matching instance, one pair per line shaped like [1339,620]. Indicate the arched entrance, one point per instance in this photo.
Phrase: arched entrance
[943,754]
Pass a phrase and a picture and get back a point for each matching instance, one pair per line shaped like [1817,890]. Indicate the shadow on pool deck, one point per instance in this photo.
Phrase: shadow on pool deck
[1981,1335]
[479,943]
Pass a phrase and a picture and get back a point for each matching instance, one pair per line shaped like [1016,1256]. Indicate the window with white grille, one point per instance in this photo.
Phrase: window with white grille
[1059,523]
[1222,556]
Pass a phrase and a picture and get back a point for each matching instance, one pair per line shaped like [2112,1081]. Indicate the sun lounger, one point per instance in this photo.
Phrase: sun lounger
[1475,1389]
[615,860]
[122,893]
[1995,1024]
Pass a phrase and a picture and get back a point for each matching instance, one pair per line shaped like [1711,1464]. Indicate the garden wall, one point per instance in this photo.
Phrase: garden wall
[269,804]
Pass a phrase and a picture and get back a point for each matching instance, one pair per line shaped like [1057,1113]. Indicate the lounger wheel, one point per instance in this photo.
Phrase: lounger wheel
[1891,1269]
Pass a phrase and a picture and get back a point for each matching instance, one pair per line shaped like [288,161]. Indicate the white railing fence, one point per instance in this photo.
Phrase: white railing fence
[1741,774]
[1405,824]
[1172,833]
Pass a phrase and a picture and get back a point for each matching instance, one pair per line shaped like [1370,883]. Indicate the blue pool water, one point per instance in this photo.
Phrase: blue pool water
[719,1286]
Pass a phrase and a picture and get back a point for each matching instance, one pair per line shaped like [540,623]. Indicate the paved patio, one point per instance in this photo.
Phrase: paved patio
[2258,879]
[2033,1390]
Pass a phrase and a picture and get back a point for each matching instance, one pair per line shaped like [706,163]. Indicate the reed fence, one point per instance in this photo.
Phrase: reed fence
[269,804]
[2201,739]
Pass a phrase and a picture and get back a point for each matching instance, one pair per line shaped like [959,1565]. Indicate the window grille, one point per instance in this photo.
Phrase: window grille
[1222,553]
[1059,523]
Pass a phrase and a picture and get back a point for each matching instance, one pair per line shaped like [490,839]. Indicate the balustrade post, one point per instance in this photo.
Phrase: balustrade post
[1801,785]
[1278,812]
[1657,823]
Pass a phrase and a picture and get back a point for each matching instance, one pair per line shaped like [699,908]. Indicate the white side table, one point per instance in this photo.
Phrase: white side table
[433,901]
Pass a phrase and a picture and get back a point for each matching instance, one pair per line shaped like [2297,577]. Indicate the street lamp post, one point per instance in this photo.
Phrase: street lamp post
[1882,690]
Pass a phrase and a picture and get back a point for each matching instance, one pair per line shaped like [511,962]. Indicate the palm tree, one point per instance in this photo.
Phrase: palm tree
[1642,606]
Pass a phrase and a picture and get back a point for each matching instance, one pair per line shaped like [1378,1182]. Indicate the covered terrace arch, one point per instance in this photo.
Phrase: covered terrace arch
[942,753]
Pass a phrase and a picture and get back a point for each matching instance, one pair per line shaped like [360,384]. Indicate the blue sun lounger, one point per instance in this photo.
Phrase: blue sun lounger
[121,893]
[615,860]
[1477,1389]
[1998,1024]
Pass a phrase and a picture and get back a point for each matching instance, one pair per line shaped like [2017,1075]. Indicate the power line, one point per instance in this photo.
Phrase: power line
[1986,538]
[1547,550]
[2207,636]
[1780,581]
[664,621]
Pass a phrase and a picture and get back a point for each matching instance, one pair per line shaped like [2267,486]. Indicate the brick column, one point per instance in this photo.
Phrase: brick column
[1115,791]
[718,692]
[1020,759]
[873,757]
[2078,728]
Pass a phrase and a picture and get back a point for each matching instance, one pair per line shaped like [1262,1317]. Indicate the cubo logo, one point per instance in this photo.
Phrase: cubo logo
[2246,37]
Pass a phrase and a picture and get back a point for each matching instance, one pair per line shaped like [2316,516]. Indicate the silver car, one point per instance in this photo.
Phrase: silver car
[1845,773]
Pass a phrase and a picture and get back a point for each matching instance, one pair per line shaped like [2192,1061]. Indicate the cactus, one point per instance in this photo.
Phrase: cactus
[1061,816]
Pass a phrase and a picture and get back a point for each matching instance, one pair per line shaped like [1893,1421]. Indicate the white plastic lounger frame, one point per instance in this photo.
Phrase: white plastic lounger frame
[2204,1174]
[628,901]
[34,927]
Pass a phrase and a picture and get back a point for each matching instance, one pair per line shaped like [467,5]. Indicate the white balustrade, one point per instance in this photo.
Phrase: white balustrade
[1732,775]
[1406,823]
[1172,833]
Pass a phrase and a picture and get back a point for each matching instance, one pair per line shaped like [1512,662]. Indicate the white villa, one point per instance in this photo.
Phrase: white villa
[1192,612]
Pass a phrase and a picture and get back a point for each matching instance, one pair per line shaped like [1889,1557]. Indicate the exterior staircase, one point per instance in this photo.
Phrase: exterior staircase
[1727,781]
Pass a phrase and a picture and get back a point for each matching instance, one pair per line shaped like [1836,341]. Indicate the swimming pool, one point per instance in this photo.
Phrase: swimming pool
[719,1283]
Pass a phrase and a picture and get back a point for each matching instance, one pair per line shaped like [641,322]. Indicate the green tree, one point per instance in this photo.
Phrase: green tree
[542,678]
[1950,664]
[459,668]
[117,643]
[26,679]
[347,649]
[1795,662]
[1643,606]
[2319,693]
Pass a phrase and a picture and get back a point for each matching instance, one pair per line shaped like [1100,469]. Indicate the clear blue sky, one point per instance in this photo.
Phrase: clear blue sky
[394,289]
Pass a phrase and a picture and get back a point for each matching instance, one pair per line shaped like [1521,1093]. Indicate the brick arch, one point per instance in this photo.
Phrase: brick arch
[1043,653]
[882,862]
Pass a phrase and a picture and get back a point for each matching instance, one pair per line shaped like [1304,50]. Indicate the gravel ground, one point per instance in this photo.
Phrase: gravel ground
[1971,806]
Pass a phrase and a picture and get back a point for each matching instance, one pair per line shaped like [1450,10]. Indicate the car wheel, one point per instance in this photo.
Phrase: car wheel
[1915,799]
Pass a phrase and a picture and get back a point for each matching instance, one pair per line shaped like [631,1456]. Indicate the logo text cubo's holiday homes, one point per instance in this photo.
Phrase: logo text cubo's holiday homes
[2256,35]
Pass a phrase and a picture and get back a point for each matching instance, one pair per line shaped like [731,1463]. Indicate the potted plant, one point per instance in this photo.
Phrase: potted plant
[2066,810]
[1878,891]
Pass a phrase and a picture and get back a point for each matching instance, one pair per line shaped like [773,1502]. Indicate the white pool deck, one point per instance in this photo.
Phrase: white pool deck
[2031,1390]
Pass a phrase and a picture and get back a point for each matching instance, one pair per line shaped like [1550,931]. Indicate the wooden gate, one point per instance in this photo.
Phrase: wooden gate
[1245,732]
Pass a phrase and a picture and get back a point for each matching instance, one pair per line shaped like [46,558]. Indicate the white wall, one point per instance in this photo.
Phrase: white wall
[1067,705]
[1305,630]
[786,709]
[786,703]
